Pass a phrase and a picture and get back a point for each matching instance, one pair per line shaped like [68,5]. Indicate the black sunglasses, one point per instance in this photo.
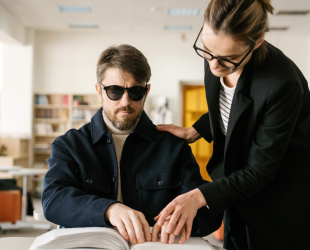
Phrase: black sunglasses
[115,92]
[222,61]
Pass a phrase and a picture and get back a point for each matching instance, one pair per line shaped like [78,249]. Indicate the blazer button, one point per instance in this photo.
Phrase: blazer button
[160,183]
[89,181]
[198,231]
[114,178]
[109,140]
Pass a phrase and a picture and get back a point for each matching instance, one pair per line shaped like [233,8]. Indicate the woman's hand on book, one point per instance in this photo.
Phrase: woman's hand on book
[130,223]
[164,236]
[183,209]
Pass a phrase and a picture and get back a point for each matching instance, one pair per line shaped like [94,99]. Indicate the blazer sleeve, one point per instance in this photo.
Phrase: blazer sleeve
[268,147]
[64,203]
[203,127]
[204,224]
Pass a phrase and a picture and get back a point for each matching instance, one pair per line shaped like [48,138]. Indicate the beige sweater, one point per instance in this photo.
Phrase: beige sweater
[119,138]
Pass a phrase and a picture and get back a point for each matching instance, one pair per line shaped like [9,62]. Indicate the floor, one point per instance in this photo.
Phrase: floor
[37,232]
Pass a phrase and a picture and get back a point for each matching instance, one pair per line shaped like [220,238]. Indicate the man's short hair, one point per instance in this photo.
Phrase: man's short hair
[126,58]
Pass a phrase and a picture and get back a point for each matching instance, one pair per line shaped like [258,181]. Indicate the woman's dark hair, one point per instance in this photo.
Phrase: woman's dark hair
[244,20]
[126,58]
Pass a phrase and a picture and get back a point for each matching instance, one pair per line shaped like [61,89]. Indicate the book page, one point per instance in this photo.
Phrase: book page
[193,243]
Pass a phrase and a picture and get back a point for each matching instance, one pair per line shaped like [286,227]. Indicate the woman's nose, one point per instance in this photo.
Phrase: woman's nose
[214,64]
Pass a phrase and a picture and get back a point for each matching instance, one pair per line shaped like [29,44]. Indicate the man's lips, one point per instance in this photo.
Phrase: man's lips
[124,112]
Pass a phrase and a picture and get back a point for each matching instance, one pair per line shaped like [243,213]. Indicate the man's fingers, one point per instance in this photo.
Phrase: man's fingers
[122,230]
[146,228]
[180,224]
[164,235]
[182,236]
[137,227]
[155,232]
[189,225]
[130,230]
[171,238]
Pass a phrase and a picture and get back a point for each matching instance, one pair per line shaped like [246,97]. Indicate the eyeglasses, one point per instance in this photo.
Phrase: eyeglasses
[115,92]
[222,61]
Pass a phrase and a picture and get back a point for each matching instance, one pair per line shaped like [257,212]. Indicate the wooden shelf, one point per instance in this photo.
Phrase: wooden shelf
[86,107]
[51,106]
[49,135]
[58,101]
[42,152]
[51,120]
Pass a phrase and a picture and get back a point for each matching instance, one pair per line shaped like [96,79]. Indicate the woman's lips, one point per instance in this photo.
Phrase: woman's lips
[219,70]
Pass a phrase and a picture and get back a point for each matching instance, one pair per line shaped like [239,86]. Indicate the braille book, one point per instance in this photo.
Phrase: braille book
[106,238]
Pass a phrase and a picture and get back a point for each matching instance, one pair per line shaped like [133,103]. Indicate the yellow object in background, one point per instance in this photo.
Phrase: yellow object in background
[194,106]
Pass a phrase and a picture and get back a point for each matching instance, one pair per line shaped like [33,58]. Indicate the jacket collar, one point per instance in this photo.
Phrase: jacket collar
[145,127]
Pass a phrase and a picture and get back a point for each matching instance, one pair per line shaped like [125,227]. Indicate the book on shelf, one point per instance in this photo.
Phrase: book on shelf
[106,238]
[41,100]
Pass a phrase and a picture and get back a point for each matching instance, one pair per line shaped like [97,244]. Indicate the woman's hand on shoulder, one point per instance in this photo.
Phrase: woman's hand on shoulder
[189,134]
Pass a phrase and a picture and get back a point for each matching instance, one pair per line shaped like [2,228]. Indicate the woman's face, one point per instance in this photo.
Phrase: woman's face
[221,45]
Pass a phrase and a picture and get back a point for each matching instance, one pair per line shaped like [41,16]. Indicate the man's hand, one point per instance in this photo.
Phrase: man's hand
[189,134]
[164,236]
[130,223]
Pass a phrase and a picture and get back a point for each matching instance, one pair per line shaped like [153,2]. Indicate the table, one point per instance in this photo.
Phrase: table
[9,168]
[24,243]
[25,172]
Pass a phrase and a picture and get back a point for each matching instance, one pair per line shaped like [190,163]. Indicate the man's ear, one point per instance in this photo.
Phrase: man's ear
[148,90]
[99,91]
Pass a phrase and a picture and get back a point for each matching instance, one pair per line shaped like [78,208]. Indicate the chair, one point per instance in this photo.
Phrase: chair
[11,205]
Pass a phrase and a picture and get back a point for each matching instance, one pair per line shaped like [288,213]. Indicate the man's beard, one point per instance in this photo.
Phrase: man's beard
[127,121]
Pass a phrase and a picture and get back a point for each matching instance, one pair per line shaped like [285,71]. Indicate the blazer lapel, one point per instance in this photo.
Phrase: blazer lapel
[241,100]
[212,85]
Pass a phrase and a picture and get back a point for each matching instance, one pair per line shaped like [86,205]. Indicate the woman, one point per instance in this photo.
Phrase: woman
[259,121]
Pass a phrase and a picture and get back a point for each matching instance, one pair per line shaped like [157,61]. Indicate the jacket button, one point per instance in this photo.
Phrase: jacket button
[114,178]
[89,181]
[160,183]
[109,140]
[198,231]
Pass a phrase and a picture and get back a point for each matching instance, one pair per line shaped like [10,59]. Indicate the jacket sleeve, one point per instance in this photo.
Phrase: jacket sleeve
[64,203]
[268,147]
[203,127]
[203,223]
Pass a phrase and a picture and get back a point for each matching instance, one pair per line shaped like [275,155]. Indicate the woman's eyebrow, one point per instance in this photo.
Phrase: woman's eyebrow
[205,47]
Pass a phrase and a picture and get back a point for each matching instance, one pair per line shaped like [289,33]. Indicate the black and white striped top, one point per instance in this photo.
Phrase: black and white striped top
[226,97]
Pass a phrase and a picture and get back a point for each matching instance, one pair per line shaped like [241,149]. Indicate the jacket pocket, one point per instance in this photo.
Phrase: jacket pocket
[93,180]
[158,180]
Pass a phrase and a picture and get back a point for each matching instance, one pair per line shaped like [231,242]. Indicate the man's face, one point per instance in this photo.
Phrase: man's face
[123,113]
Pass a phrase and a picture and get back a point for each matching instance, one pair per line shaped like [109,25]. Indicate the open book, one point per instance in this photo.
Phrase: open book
[106,238]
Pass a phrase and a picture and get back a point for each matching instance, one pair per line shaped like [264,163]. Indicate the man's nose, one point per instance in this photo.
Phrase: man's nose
[125,101]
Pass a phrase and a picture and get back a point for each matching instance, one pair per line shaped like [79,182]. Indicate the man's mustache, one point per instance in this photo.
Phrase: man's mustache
[126,109]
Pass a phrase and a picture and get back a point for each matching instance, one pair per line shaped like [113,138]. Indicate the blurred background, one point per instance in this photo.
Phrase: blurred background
[48,55]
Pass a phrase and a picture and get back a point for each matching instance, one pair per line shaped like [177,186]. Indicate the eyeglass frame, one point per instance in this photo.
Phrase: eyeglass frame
[219,59]
[106,89]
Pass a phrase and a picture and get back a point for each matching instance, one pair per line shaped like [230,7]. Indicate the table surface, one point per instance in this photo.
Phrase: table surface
[9,168]
[24,243]
[28,171]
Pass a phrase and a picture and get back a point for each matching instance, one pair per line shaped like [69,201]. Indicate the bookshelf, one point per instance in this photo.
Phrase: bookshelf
[54,115]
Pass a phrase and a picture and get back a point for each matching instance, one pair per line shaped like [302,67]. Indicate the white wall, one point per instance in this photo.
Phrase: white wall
[66,62]
[16,94]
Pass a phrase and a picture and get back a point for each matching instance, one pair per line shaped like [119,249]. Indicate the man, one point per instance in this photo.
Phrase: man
[119,170]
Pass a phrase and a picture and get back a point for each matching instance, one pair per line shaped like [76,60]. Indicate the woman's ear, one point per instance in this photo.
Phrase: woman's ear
[260,41]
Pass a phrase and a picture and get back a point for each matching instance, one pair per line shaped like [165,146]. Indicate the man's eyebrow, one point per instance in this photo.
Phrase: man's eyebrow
[205,47]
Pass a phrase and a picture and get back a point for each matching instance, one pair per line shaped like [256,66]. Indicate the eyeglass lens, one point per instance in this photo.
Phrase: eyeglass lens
[135,93]
[209,57]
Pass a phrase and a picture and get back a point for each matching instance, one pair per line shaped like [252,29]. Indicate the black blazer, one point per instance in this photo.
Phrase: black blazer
[262,167]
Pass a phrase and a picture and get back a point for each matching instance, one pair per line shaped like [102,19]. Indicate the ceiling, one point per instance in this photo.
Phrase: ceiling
[134,15]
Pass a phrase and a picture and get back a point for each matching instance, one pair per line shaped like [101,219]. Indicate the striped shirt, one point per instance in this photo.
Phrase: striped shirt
[226,97]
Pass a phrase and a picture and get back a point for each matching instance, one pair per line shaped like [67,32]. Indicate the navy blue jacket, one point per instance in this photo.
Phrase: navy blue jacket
[82,180]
